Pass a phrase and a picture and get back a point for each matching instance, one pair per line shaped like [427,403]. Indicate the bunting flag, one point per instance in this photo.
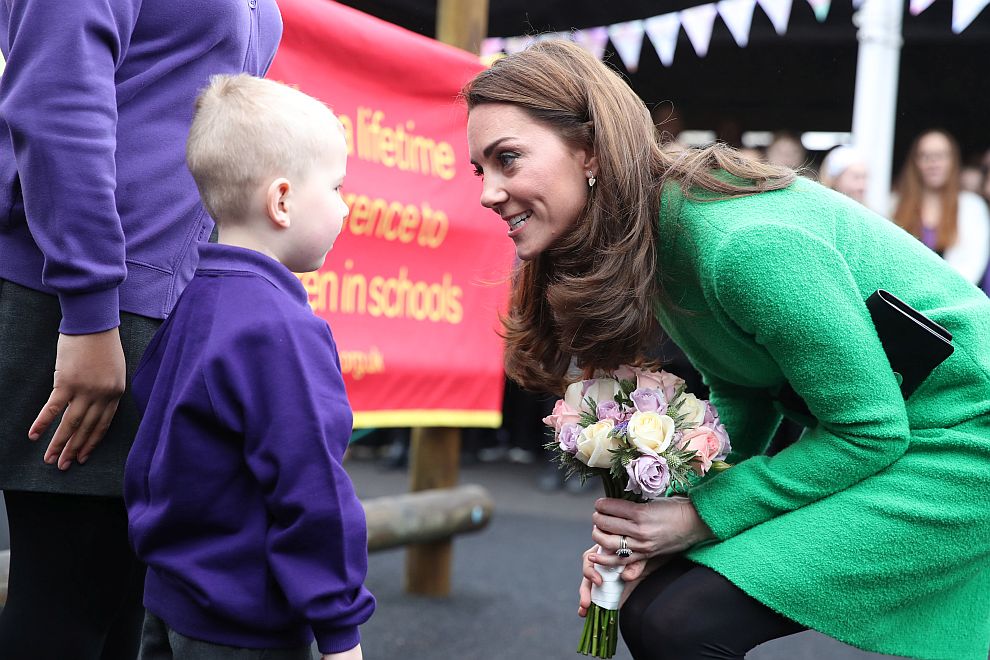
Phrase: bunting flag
[628,41]
[491,47]
[592,40]
[965,12]
[738,17]
[663,31]
[820,7]
[517,44]
[779,12]
[698,22]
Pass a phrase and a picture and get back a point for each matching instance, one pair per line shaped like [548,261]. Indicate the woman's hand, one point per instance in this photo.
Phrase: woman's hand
[663,527]
[89,380]
[634,573]
[353,654]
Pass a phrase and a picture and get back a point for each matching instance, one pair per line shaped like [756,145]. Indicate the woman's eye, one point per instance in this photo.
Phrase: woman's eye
[478,171]
[506,158]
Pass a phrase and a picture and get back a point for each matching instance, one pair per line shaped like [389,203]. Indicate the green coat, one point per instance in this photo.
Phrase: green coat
[874,527]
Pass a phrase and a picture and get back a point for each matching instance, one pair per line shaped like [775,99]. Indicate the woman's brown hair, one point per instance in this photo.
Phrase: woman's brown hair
[910,190]
[592,295]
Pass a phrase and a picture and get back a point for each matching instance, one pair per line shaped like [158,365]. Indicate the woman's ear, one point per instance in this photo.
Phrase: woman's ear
[589,162]
[277,202]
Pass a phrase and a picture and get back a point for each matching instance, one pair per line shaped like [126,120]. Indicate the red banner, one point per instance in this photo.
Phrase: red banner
[413,285]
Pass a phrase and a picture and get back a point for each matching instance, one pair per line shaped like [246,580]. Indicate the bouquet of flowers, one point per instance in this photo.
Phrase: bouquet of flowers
[647,438]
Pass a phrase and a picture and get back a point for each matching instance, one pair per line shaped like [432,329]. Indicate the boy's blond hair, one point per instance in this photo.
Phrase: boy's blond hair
[246,130]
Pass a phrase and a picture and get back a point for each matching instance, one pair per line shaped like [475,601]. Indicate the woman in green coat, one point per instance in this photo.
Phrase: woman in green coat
[871,528]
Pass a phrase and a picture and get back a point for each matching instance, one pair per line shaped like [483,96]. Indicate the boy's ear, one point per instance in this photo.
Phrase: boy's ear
[277,202]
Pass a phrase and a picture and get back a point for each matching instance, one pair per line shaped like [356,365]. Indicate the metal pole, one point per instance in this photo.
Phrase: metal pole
[875,105]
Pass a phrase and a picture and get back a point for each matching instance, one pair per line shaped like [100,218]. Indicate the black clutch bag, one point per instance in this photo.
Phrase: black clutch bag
[914,345]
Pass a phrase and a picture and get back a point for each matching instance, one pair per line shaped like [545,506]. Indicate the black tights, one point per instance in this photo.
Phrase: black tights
[684,611]
[75,587]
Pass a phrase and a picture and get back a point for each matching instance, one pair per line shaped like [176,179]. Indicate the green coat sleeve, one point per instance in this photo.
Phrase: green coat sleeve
[748,415]
[794,294]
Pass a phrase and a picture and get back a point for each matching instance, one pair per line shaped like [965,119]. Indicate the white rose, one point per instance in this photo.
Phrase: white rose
[650,431]
[599,389]
[594,444]
[691,409]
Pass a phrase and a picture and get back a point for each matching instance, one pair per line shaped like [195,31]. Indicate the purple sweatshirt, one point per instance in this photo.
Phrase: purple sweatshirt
[95,106]
[235,493]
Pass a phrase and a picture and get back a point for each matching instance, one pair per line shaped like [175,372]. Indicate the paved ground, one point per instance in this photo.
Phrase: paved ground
[514,584]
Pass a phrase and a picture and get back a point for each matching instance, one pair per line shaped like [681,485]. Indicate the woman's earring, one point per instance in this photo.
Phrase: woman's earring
[591,179]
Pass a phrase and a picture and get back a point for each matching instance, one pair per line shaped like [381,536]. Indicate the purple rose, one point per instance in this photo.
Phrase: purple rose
[649,400]
[568,437]
[649,475]
[610,410]
[723,437]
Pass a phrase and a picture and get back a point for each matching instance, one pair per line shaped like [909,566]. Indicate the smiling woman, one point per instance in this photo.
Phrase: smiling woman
[761,278]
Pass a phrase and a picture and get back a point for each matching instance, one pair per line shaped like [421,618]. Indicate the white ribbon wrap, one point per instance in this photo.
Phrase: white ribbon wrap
[609,594]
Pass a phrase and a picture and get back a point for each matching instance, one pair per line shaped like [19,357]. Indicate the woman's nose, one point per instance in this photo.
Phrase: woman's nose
[492,193]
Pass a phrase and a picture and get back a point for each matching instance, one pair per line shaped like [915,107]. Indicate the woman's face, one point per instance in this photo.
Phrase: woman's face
[536,182]
[934,160]
[852,182]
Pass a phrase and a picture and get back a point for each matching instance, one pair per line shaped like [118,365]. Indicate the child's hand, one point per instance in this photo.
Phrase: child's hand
[353,654]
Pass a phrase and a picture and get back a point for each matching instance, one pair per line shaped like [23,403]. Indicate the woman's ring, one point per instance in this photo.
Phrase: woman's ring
[623,550]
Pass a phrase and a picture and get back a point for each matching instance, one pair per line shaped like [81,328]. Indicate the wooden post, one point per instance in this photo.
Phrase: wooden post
[434,461]
[434,455]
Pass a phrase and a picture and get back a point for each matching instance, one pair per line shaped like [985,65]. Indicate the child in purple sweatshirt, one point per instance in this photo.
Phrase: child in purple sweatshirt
[237,501]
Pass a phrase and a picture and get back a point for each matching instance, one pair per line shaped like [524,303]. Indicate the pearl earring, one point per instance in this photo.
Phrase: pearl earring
[591,179]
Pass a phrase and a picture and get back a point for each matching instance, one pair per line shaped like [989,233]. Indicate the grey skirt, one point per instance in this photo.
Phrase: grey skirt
[29,323]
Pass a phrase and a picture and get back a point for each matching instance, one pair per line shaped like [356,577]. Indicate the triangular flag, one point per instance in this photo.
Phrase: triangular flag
[698,22]
[491,46]
[628,41]
[779,12]
[662,31]
[738,17]
[592,40]
[964,12]
[820,7]
[858,3]
[517,44]
[918,6]
[546,36]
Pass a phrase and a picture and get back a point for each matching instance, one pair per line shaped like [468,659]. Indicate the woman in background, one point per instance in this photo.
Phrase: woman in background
[844,170]
[932,206]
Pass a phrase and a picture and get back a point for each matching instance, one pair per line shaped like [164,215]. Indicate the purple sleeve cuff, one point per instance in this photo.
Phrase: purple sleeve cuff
[88,313]
[337,640]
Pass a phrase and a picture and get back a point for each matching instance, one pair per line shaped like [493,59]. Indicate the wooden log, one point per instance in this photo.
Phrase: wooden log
[426,516]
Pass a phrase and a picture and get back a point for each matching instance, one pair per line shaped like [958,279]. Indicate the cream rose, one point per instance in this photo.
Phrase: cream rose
[594,443]
[650,431]
[599,389]
[691,409]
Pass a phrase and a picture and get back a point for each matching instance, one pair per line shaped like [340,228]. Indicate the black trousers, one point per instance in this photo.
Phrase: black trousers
[74,546]
[684,611]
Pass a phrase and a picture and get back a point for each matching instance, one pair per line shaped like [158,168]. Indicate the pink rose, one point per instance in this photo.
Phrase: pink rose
[659,380]
[625,372]
[705,443]
[714,423]
[562,414]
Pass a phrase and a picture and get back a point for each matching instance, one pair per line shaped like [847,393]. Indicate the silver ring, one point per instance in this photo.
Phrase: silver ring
[624,552]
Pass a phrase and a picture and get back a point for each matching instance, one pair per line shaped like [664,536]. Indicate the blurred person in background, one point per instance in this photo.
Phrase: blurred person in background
[932,205]
[786,150]
[844,170]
